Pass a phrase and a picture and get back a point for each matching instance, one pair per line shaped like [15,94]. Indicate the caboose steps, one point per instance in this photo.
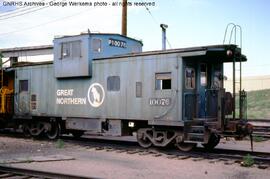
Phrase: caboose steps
[195,133]
[196,129]
[194,137]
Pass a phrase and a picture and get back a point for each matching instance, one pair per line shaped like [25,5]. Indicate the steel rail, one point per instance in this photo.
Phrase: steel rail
[132,147]
[13,172]
[261,127]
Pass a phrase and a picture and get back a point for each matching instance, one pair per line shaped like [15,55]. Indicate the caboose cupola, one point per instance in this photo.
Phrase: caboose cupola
[73,55]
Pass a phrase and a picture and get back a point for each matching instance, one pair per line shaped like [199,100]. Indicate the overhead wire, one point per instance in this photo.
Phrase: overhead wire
[17,10]
[24,13]
[7,12]
[42,24]
[11,10]
[27,12]
[154,19]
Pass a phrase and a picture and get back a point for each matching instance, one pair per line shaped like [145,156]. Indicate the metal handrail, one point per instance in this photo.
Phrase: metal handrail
[234,30]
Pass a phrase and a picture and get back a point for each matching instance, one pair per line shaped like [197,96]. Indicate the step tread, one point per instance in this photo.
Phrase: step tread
[195,134]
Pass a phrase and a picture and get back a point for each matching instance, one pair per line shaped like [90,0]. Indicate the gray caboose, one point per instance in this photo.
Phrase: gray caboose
[105,84]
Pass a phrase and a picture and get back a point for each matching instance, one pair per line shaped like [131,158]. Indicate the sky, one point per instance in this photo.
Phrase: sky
[190,23]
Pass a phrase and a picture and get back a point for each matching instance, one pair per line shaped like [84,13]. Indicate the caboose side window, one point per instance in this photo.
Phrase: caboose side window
[71,49]
[96,44]
[138,89]
[113,83]
[65,51]
[23,85]
[190,78]
[163,81]
[76,48]
[203,74]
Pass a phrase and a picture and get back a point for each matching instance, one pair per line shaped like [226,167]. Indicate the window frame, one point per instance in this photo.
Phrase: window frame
[79,43]
[71,47]
[203,83]
[192,77]
[117,83]
[93,44]
[23,86]
[62,50]
[160,77]
[138,89]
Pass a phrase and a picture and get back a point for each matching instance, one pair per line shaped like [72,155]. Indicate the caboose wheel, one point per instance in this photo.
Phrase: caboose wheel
[142,139]
[54,131]
[185,147]
[35,129]
[26,132]
[213,142]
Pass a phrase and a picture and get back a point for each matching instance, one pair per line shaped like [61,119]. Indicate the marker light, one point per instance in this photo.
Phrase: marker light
[131,124]
[229,53]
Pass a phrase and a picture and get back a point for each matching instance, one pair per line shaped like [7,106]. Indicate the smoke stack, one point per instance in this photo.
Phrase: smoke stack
[163,27]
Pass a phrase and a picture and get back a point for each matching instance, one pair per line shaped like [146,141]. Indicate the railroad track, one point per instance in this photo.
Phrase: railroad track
[228,156]
[261,127]
[9,172]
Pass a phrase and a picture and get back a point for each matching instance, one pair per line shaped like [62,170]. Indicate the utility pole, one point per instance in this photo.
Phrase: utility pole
[124,17]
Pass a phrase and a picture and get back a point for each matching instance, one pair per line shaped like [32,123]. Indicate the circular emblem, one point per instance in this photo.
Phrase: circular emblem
[96,95]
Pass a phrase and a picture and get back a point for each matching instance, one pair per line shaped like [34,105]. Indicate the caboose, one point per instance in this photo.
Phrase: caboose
[106,85]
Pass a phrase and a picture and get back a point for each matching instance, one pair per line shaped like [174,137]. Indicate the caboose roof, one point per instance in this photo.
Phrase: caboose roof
[99,34]
[218,52]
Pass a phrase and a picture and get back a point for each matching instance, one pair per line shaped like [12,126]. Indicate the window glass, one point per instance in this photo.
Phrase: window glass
[76,49]
[217,82]
[66,48]
[113,83]
[96,44]
[203,74]
[190,78]
[23,85]
[163,81]
[71,49]
[138,89]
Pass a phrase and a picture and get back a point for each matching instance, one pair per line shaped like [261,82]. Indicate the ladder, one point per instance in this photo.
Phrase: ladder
[237,68]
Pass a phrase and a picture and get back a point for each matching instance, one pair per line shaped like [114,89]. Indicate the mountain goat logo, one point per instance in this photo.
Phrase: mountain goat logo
[96,95]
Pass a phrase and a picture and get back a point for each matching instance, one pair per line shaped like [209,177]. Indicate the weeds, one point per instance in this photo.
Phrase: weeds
[258,139]
[248,161]
[60,144]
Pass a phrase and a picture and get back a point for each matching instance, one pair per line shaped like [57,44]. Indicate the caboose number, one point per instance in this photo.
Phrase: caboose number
[117,43]
[159,101]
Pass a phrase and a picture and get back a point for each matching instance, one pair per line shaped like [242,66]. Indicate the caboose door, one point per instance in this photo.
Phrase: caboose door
[195,86]
[190,95]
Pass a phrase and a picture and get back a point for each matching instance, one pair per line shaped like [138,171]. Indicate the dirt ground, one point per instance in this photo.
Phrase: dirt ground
[81,160]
